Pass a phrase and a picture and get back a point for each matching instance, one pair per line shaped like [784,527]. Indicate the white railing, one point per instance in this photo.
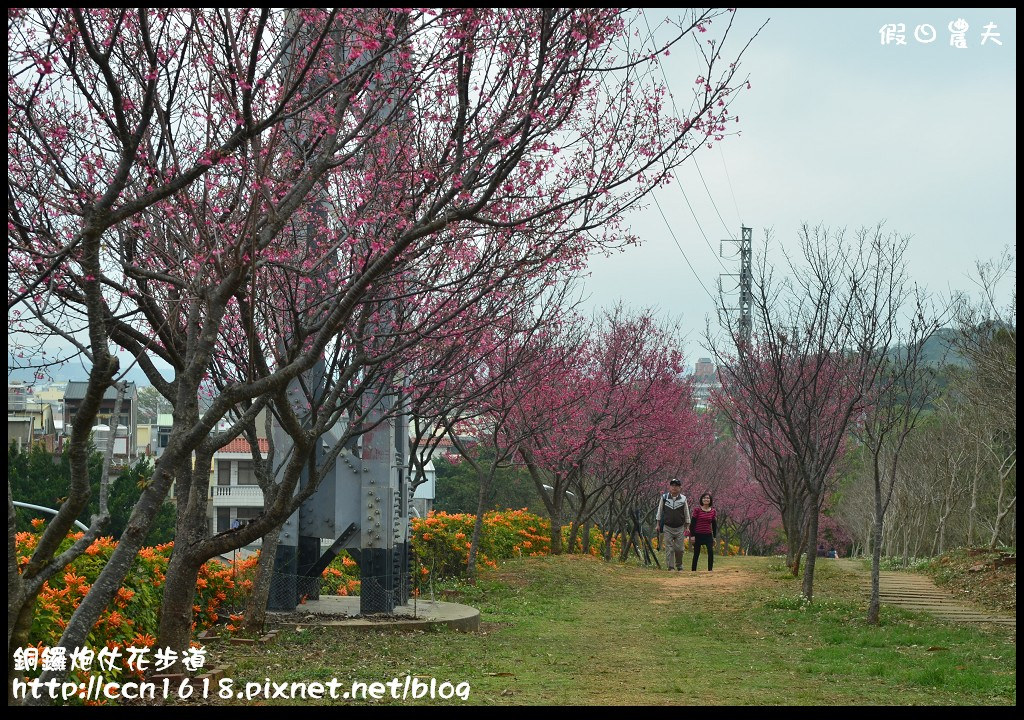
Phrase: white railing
[236,496]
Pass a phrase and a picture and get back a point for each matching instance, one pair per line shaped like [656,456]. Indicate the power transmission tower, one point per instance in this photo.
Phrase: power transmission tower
[362,502]
[745,323]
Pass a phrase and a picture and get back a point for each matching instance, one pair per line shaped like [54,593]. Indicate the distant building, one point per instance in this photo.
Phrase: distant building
[19,431]
[54,395]
[422,501]
[705,380]
[154,438]
[124,448]
[234,492]
[142,434]
[29,419]
[225,424]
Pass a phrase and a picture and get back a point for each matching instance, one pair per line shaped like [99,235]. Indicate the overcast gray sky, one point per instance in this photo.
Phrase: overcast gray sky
[839,129]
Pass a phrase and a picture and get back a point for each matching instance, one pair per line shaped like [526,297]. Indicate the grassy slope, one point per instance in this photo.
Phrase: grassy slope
[574,630]
[976,576]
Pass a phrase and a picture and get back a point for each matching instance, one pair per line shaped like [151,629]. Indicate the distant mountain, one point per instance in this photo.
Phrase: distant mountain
[939,349]
[73,370]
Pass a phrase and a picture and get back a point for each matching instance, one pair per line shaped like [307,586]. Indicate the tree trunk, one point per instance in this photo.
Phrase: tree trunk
[574,534]
[191,530]
[874,604]
[796,550]
[793,544]
[906,546]
[478,523]
[556,532]
[810,540]
[946,512]
[888,542]
[972,511]
[17,635]
[999,523]
[256,604]
[917,548]
[179,594]
[1001,512]
[20,602]
[609,533]
[607,551]
[110,578]
[793,560]
[939,527]
[627,540]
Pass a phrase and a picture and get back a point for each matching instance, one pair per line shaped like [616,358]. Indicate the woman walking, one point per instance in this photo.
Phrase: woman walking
[704,528]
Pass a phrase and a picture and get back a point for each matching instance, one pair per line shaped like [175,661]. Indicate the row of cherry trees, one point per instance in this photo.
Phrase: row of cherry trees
[609,431]
[601,416]
[305,211]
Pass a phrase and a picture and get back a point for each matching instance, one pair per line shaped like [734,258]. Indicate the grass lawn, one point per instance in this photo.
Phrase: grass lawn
[576,630]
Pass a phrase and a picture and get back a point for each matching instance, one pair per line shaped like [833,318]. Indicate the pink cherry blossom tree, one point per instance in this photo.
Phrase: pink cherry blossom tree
[661,438]
[745,512]
[246,195]
[614,420]
[471,408]
[774,465]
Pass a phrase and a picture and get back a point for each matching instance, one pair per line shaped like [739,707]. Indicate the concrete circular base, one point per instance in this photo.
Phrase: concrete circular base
[343,612]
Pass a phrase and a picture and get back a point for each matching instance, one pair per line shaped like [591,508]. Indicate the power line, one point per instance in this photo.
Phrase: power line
[673,234]
[731,191]
[676,240]
[695,163]
[713,204]
[706,188]
[675,110]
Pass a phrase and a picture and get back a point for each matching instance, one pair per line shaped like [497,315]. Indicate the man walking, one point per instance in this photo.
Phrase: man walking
[673,518]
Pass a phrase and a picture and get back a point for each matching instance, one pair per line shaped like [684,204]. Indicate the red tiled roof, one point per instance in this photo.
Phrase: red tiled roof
[241,445]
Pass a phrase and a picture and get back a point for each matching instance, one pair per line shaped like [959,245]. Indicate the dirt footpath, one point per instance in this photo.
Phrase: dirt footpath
[687,584]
